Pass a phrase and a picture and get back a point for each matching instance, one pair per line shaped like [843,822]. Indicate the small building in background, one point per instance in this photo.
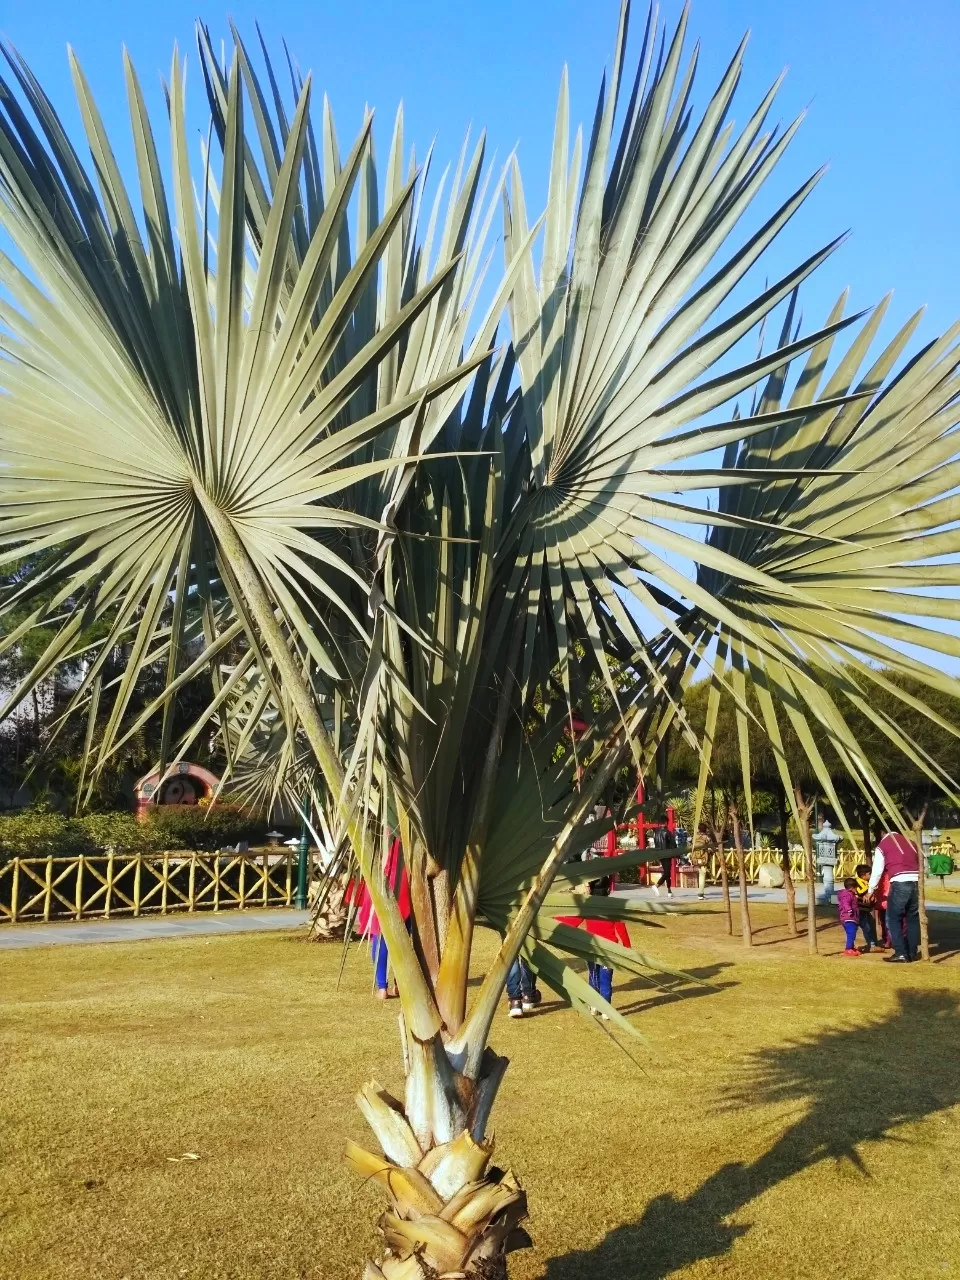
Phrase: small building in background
[183,783]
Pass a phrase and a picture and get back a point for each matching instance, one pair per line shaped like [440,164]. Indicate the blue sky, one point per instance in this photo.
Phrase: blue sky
[881,86]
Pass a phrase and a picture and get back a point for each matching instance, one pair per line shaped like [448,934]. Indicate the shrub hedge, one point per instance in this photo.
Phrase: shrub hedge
[39,833]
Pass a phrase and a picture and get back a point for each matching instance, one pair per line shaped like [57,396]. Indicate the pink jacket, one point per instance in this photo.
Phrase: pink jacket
[849,905]
[366,919]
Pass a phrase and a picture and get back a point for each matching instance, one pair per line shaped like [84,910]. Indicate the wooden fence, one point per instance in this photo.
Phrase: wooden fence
[847,861]
[120,884]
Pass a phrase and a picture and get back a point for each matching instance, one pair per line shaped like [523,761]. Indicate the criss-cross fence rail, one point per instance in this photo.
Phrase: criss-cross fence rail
[847,861]
[117,884]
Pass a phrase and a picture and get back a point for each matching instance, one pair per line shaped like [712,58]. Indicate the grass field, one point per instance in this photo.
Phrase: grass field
[794,1119]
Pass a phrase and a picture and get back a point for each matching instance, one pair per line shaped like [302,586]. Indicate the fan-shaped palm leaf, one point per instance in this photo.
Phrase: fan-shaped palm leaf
[174,426]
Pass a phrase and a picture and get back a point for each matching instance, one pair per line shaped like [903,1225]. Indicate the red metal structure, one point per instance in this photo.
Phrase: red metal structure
[608,845]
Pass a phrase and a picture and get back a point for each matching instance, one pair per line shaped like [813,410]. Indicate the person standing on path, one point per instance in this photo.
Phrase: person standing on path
[897,856]
[368,925]
[700,852]
[825,843]
[849,907]
[666,840]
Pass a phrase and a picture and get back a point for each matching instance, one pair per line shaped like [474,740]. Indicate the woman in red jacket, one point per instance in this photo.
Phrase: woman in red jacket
[601,975]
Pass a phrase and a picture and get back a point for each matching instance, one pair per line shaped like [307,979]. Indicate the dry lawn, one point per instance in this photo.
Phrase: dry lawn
[795,1119]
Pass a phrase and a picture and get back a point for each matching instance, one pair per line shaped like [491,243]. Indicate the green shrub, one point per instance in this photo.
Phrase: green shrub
[188,826]
[120,831]
[37,833]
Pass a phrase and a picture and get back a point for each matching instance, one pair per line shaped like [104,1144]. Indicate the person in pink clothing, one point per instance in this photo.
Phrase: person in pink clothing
[601,975]
[395,874]
[849,906]
[896,857]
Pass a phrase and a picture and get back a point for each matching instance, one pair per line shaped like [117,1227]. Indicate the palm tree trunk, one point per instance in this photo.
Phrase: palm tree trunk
[788,884]
[450,1212]
[745,930]
[804,809]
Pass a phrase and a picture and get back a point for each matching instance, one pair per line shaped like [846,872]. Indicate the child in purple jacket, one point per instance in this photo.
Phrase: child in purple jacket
[849,906]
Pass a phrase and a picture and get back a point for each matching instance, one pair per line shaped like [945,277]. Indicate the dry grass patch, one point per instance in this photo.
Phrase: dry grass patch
[784,1118]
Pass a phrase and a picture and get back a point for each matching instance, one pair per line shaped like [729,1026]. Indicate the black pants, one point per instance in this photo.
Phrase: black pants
[866,924]
[903,904]
[664,873]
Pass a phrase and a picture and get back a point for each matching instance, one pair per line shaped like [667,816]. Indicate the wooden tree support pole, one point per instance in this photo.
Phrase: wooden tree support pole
[745,929]
[804,809]
[917,832]
[788,885]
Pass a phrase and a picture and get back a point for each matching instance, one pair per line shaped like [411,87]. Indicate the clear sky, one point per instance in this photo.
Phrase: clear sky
[880,78]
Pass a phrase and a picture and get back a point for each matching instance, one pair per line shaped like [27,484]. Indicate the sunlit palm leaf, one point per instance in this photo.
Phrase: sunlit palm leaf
[617,339]
[136,412]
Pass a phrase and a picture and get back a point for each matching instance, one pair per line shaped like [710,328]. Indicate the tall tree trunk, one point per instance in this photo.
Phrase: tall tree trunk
[745,929]
[921,885]
[804,809]
[865,829]
[788,884]
[719,825]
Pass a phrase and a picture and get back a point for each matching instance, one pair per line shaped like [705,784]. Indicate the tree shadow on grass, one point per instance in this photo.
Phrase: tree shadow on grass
[887,1059]
[658,989]
[662,989]
[944,935]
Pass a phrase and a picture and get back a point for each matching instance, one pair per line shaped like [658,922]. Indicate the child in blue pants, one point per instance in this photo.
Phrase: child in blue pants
[381,965]
[848,905]
[601,979]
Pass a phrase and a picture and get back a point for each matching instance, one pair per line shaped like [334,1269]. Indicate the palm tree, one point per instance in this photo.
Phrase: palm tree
[429,563]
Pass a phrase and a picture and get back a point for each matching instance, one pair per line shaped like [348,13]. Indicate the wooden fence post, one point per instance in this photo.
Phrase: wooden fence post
[48,890]
[15,890]
[78,893]
[110,857]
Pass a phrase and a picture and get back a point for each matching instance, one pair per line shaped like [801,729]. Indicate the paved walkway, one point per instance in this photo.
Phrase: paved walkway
[61,933]
[756,894]
[64,932]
